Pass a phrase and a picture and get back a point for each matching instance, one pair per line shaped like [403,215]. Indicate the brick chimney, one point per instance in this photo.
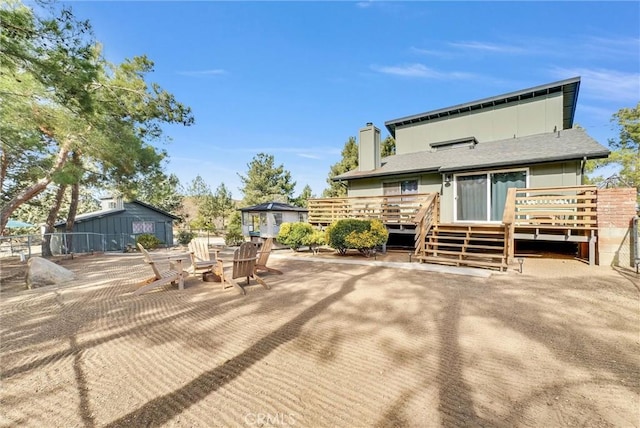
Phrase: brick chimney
[369,148]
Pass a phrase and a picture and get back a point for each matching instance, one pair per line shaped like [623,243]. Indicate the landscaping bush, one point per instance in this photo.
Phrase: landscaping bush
[315,240]
[233,237]
[294,235]
[234,234]
[148,241]
[363,235]
[184,237]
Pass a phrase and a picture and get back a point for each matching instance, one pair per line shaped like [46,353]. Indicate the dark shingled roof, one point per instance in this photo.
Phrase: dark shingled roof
[273,206]
[570,144]
[568,87]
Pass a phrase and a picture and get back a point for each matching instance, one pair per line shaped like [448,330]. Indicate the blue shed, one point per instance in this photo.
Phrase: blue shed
[119,223]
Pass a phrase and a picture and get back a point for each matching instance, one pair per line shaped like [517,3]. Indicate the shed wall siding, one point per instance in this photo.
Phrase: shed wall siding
[122,223]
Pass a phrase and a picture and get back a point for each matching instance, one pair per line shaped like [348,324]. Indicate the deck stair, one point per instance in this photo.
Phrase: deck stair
[477,245]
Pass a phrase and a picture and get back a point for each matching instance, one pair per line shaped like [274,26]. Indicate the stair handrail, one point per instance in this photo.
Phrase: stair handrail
[508,220]
[425,219]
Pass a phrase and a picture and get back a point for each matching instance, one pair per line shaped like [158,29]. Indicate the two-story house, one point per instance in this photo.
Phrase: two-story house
[470,155]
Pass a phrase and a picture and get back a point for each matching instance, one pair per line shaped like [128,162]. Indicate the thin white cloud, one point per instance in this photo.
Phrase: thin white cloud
[422,71]
[611,47]
[309,156]
[431,52]
[364,4]
[210,72]
[304,152]
[602,84]
[488,47]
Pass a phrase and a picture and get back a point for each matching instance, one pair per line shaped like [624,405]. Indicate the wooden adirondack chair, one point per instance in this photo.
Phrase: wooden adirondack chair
[243,266]
[173,275]
[263,257]
[201,257]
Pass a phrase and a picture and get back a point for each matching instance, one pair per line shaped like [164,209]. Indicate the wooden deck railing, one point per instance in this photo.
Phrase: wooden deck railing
[547,209]
[425,219]
[400,209]
[508,220]
[552,208]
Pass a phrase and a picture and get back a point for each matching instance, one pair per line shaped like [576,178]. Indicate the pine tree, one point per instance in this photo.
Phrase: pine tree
[265,182]
[348,162]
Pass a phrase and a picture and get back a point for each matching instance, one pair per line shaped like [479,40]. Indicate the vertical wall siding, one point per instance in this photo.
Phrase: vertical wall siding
[117,224]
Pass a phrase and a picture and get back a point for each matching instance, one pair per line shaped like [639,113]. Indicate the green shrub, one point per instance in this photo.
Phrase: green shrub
[367,240]
[315,240]
[148,241]
[233,237]
[184,237]
[294,235]
[363,235]
[234,234]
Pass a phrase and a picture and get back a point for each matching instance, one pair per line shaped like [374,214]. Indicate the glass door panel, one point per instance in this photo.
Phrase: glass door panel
[500,182]
[471,197]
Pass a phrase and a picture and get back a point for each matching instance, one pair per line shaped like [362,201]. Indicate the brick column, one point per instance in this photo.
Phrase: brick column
[616,209]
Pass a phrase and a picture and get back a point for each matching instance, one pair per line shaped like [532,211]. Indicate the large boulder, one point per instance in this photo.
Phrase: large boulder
[41,272]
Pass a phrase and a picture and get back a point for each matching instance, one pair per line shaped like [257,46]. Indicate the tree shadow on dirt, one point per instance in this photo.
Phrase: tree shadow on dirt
[162,409]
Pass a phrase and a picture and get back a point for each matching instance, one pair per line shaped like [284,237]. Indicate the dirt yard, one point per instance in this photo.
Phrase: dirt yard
[330,345]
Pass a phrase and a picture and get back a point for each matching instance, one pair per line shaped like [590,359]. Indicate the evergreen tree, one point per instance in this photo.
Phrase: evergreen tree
[68,115]
[162,191]
[200,191]
[388,147]
[223,204]
[625,151]
[265,182]
[303,199]
[348,162]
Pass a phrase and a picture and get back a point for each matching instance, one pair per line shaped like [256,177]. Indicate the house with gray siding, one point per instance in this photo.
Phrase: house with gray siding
[472,153]
[471,181]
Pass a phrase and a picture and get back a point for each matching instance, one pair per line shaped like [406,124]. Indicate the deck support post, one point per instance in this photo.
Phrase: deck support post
[592,249]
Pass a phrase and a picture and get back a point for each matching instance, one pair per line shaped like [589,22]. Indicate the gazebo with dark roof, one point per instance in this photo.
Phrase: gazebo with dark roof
[264,220]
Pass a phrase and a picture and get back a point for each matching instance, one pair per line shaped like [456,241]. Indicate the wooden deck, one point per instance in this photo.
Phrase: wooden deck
[390,210]
[560,214]
[566,214]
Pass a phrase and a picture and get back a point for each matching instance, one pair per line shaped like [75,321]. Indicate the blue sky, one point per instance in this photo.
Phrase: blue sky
[297,79]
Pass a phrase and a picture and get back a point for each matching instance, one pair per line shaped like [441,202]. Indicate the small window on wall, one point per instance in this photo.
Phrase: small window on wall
[404,187]
[277,217]
[143,227]
[302,217]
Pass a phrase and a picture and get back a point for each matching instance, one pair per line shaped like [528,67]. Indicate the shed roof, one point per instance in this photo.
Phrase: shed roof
[105,213]
[570,144]
[273,206]
[568,87]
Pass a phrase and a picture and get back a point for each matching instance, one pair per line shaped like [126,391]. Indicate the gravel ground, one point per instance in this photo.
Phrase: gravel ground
[330,345]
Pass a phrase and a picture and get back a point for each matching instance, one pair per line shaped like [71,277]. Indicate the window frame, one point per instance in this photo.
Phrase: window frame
[399,183]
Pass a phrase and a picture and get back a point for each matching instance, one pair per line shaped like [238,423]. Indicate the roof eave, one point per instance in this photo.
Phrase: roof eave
[373,174]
